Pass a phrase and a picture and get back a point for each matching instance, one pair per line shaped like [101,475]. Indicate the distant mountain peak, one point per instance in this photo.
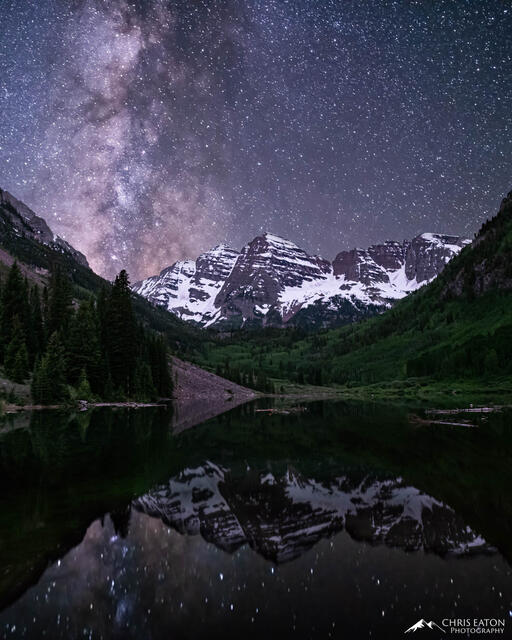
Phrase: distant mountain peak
[221,248]
[272,238]
[274,282]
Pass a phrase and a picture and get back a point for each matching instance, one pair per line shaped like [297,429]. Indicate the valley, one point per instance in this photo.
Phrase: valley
[434,336]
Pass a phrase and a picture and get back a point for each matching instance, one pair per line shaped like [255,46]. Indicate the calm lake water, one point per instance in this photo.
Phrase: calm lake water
[341,521]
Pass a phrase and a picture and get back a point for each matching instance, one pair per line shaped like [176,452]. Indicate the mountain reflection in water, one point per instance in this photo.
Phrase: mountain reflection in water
[345,520]
[280,518]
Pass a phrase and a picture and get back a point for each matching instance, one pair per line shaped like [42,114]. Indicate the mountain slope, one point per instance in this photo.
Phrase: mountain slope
[26,237]
[458,327]
[16,218]
[273,282]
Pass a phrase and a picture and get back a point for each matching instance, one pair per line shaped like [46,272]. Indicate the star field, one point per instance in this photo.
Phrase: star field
[148,131]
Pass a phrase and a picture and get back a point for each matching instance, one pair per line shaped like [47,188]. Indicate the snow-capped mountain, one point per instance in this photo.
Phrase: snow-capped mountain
[282,516]
[273,282]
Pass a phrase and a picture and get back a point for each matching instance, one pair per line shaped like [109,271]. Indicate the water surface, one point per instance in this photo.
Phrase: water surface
[343,520]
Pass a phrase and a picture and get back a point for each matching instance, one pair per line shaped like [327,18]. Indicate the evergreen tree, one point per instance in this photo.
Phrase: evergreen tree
[491,363]
[49,381]
[143,387]
[59,303]
[160,366]
[16,356]
[21,366]
[83,348]
[84,388]
[102,314]
[100,349]
[14,304]
[120,334]
[45,306]
[35,337]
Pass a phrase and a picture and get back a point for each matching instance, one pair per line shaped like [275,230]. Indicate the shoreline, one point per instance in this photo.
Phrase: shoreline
[80,406]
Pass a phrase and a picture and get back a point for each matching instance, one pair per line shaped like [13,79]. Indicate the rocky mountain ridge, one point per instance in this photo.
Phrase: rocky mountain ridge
[15,215]
[488,266]
[273,282]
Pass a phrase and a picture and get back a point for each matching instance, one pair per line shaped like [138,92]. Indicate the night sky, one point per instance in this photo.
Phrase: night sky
[151,130]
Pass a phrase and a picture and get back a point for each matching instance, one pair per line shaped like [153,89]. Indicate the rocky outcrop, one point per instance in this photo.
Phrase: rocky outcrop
[427,255]
[189,289]
[273,282]
[266,266]
[17,217]
[488,265]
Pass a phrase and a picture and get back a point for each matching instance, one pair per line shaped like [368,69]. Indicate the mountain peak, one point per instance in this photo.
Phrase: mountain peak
[220,249]
[272,281]
[278,241]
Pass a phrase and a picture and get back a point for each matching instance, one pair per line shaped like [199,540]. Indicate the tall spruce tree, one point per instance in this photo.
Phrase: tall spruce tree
[60,308]
[16,355]
[120,335]
[84,349]
[14,304]
[83,387]
[49,380]
[35,337]
[157,350]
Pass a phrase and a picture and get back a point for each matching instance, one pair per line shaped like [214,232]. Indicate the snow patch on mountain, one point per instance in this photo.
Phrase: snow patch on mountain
[272,280]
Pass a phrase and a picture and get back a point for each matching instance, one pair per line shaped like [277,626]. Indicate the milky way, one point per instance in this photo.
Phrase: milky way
[150,130]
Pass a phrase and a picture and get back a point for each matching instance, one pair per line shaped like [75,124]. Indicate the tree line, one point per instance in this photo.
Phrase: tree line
[246,377]
[95,349]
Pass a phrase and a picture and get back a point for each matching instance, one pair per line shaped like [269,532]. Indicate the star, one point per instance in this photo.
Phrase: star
[148,132]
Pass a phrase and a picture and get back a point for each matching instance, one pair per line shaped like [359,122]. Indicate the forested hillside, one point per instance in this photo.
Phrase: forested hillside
[27,238]
[457,328]
[94,349]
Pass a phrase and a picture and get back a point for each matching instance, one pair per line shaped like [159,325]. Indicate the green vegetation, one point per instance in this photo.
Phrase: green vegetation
[453,336]
[96,350]
[114,342]
[418,341]
[457,329]
[39,259]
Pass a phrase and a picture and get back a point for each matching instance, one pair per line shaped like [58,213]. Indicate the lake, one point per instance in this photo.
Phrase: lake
[341,520]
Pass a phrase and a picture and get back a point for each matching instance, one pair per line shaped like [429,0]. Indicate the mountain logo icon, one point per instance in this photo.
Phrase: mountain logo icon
[423,624]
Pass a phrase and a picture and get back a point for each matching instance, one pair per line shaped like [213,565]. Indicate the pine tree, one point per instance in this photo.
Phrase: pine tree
[36,387]
[120,334]
[59,303]
[49,382]
[160,366]
[491,363]
[143,387]
[14,303]
[21,366]
[16,356]
[83,347]
[84,388]
[35,337]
